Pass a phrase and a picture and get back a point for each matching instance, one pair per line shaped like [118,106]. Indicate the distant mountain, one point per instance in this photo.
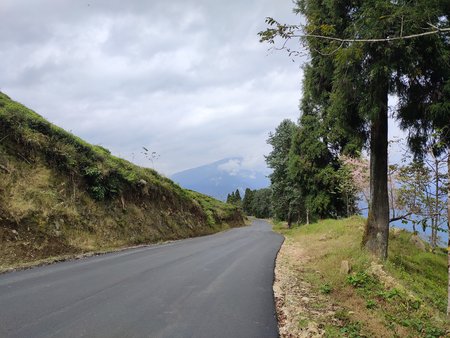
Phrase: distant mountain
[221,178]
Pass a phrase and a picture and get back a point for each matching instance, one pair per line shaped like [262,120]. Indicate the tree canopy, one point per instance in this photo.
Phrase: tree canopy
[360,53]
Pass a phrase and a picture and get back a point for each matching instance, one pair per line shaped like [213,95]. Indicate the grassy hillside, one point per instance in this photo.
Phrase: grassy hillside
[316,294]
[60,195]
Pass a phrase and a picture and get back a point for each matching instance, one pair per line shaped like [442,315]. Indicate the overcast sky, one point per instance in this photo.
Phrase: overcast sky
[187,79]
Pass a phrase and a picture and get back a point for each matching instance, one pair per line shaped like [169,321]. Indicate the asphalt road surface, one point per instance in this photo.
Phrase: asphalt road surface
[213,286]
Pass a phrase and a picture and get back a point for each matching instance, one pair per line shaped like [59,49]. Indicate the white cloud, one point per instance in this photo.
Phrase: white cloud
[231,167]
[187,79]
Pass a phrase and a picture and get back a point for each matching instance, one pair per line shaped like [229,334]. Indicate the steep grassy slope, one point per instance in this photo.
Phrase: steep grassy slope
[61,195]
[319,296]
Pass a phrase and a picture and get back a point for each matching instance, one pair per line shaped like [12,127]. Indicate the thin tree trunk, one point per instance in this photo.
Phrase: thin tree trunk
[436,205]
[392,201]
[448,224]
[376,234]
[391,194]
[348,205]
[433,234]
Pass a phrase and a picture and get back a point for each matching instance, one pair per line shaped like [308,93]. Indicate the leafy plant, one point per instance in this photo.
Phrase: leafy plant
[326,289]
[97,192]
[389,294]
[371,304]
[359,279]
[352,330]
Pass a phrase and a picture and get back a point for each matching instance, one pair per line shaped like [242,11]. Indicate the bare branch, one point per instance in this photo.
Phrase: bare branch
[288,31]
[400,217]
[330,53]
[24,158]
[5,168]
[395,38]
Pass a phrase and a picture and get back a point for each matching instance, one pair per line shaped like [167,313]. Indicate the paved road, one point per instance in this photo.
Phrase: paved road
[213,286]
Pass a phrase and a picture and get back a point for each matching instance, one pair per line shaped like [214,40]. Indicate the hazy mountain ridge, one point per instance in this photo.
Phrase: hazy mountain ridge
[219,178]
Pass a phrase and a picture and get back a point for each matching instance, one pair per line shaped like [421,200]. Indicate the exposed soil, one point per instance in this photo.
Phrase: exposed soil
[301,311]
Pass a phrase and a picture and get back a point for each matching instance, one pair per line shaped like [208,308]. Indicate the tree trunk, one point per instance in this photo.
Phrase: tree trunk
[448,224]
[376,234]
[391,194]
[289,219]
[348,205]
[433,234]
[436,205]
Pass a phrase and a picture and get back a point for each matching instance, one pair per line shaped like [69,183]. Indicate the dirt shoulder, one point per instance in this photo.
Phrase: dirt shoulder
[301,311]
[327,286]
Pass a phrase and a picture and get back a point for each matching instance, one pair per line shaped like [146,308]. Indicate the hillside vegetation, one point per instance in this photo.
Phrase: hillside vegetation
[326,285]
[60,195]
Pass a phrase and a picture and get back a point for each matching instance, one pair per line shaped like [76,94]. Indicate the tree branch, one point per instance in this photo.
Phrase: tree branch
[400,217]
[395,38]
[287,32]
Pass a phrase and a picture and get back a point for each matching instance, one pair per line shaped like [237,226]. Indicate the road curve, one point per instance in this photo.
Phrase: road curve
[213,286]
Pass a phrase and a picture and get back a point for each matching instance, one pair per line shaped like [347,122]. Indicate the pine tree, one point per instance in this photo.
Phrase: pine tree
[312,169]
[362,51]
[261,203]
[231,198]
[278,161]
[425,100]
[237,196]
[247,202]
[362,77]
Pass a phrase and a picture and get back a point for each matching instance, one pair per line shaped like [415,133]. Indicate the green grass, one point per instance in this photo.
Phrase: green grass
[106,176]
[425,273]
[408,299]
[61,195]
[217,211]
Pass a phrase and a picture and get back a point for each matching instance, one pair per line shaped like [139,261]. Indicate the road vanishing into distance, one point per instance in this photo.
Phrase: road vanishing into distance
[212,286]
